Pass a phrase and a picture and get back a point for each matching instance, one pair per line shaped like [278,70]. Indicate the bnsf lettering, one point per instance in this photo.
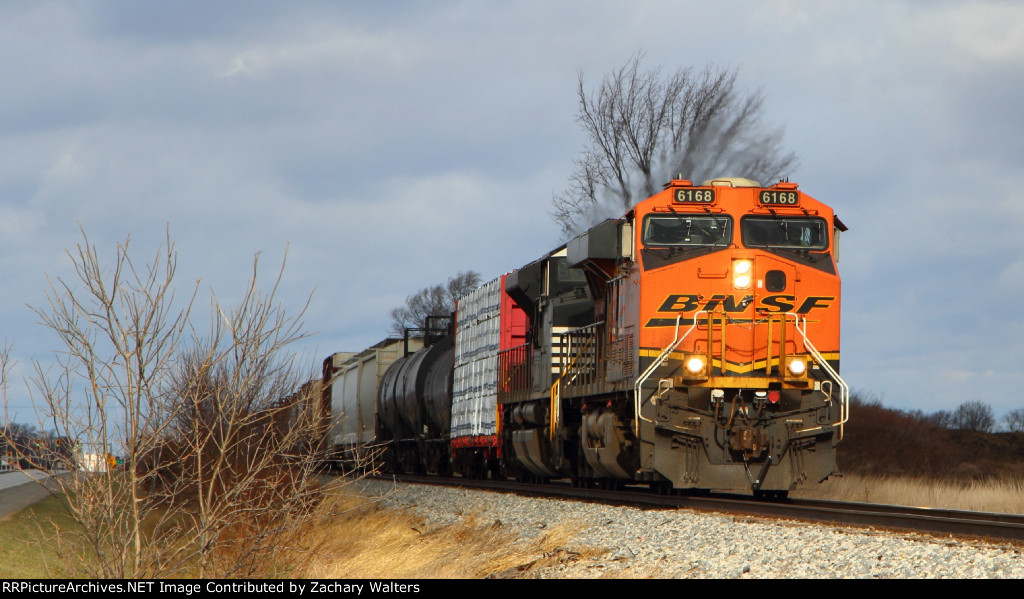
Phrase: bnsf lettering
[729,303]
[778,303]
[814,302]
[679,303]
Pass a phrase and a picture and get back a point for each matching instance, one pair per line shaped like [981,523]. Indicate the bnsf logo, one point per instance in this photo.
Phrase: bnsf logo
[729,303]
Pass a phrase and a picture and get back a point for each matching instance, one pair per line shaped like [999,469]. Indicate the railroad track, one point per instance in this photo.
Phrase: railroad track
[890,517]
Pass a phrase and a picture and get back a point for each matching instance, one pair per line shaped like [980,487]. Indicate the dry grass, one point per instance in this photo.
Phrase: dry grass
[992,495]
[358,538]
[27,548]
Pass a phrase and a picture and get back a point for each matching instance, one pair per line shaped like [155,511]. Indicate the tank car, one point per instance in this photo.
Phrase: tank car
[414,406]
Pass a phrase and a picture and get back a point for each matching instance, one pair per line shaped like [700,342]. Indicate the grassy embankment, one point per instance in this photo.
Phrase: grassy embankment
[353,537]
[22,553]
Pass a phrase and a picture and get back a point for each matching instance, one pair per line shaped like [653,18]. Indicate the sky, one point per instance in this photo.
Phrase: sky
[384,147]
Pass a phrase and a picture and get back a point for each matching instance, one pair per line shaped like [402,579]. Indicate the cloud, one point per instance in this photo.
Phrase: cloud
[390,146]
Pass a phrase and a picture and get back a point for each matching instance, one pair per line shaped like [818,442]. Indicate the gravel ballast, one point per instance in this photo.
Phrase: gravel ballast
[681,543]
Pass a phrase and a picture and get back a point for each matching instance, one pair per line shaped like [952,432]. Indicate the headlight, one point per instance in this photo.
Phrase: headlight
[742,273]
[796,366]
[695,367]
[695,364]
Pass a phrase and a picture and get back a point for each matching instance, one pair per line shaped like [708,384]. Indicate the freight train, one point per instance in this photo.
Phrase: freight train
[692,343]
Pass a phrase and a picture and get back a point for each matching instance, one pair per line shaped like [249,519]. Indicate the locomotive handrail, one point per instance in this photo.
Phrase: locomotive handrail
[556,391]
[515,373]
[658,362]
[587,373]
[844,389]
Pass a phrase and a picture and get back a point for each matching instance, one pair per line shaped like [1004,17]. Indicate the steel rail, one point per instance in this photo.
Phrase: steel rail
[938,521]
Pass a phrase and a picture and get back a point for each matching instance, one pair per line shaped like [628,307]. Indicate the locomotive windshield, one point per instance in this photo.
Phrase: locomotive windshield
[784,233]
[686,230]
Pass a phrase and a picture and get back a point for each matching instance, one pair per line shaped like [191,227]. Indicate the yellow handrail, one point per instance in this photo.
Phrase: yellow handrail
[556,390]
[638,385]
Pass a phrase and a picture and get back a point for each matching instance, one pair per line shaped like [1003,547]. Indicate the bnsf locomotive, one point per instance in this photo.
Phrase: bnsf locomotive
[691,343]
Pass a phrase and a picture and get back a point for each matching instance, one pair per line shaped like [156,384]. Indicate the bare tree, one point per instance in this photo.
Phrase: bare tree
[1014,421]
[941,419]
[644,129]
[438,300]
[213,482]
[974,416]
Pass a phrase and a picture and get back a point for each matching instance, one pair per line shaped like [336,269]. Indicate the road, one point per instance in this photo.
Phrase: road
[20,489]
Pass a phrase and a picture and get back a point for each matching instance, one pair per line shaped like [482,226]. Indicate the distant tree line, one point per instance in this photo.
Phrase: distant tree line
[953,444]
[25,446]
[973,415]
